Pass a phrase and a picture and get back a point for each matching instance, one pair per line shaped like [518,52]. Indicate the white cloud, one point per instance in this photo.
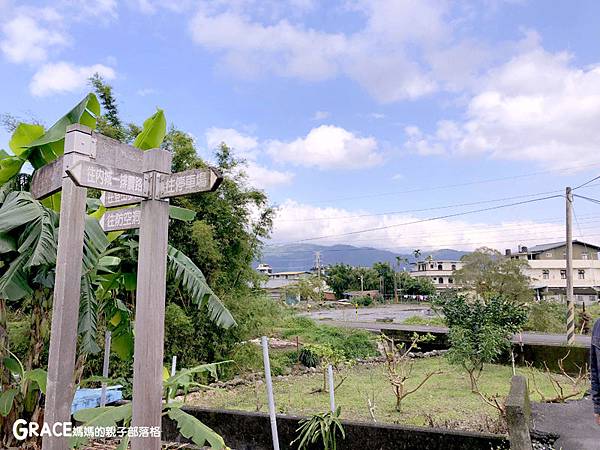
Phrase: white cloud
[296,221]
[264,178]
[242,144]
[328,147]
[103,9]
[146,91]
[63,77]
[247,147]
[321,115]
[31,34]
[538,106]
[380,56]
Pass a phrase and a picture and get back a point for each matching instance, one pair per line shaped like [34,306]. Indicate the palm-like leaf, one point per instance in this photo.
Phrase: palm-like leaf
[184,271]
[193,429]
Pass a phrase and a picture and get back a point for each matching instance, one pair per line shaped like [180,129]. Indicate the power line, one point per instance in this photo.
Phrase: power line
[468,183]
[293,257]
[447,216]
[587,182]
[509,229]
[593,200]
[455,205]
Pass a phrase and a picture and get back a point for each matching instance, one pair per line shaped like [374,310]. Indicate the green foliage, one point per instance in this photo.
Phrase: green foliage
[490,274]
[362,301]
[308,357]
[153,132]
[179,335]
[185,273]
[321,429]
[339,278]
[415,285]
[546,317]
[353,344]
[434,321]
[190,427]
[308,288]
[196,431]
[479,330]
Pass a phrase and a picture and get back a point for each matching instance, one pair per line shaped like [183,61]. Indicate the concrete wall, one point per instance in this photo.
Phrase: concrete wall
[251,431]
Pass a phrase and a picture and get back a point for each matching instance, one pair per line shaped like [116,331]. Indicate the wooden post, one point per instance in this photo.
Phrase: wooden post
[150,305]
[105,364]
[67,290]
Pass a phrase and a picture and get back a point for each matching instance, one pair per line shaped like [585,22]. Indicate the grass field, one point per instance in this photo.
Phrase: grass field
[446,400]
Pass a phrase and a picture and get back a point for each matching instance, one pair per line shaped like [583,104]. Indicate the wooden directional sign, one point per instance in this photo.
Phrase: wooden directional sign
[47,180]
[91,175]
[112,199]
[112,153]
[121,219]
[189,182]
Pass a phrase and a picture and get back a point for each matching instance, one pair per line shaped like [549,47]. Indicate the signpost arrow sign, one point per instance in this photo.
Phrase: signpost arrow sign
[47,180]
[189,182]
[90,175]
[121,219]
[112,199]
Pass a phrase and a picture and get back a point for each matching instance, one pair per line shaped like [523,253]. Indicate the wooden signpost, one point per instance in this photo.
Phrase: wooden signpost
[128,176]
[121,219]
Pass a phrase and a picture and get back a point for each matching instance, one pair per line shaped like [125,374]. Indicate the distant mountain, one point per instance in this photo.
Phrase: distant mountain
[302,256]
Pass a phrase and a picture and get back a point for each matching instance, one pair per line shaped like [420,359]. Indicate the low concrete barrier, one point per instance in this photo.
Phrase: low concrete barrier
[251,431]
[518,414]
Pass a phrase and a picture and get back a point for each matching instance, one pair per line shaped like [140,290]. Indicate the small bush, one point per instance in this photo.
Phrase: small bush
[363,301]
[309,358]
[435,321]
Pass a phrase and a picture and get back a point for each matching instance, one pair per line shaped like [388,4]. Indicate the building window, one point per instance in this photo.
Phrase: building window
[563,274]
[440,267]
[450,280]
[453,266]
[545,274]
[581,274]
[548,254]
[431,266]
[440,280]
[584,255]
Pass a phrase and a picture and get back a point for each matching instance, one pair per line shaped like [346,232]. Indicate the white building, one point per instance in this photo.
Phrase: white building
[547,269]
[440,272]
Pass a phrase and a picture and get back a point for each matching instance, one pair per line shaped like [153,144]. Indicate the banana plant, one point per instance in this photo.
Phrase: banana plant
[189,426]
[28,236]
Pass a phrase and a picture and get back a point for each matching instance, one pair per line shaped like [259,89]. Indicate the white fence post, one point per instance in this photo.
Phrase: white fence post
[269,382]
[173,370]
[105,367]
[331,388]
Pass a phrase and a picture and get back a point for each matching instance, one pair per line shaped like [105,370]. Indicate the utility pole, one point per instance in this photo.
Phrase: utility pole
[396,280]
[318,263]
[362,284]
[570,305]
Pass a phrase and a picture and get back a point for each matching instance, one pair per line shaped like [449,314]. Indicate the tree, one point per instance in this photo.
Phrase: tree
[399,365]
[386,276]
[415,285]
[480,331]
[339,278]
[489,274]
[309,288]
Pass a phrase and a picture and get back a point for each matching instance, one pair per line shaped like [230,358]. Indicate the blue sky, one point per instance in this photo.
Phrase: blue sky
[352,115]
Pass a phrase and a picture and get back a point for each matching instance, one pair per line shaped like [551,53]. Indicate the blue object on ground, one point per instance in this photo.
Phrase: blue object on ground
[90,398]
